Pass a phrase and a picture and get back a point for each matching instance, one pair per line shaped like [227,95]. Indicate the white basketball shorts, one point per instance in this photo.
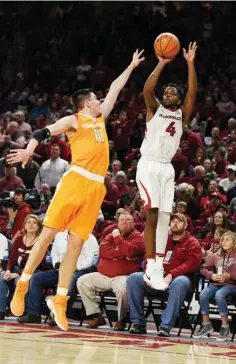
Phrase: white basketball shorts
[156,183]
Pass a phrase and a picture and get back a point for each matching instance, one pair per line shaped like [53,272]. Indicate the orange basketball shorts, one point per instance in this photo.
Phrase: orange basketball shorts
[75,205]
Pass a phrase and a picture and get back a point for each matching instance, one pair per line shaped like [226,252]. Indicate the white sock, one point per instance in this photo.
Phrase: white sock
[25,277]
[62,291]
[162,232]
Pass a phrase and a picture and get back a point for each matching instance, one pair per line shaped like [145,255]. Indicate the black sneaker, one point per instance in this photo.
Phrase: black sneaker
[138,329]
[2,315]
[29,319]
[163,332]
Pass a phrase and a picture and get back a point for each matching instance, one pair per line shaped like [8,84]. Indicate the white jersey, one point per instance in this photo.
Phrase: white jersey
[163,133]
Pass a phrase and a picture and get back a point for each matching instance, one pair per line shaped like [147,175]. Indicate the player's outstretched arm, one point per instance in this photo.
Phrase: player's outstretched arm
[23,155]
[119,83]
[152,104]
[190,99]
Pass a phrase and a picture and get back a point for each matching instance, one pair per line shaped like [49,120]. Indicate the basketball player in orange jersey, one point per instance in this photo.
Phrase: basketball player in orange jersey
[155,173]
[79,194]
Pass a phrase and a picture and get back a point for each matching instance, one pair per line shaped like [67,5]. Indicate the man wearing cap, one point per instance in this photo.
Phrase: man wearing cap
[230,181]
[215,201]
[182,259]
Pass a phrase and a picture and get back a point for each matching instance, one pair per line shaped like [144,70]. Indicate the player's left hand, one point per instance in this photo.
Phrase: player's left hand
[137,59]
[190,55]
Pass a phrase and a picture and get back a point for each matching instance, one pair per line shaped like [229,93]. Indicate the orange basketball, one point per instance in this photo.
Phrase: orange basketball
[167,45]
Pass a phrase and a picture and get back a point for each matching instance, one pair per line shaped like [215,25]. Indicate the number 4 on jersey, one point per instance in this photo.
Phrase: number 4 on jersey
[171,129]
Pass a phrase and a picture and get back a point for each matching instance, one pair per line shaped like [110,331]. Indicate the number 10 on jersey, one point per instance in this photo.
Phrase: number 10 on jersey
[98,135]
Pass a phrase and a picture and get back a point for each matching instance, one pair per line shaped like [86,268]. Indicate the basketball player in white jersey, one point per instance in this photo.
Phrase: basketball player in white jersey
[155,173]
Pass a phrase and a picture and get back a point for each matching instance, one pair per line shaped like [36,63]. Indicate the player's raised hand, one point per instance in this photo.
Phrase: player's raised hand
[191,54]
[137,59]
[18,155]
[164,61]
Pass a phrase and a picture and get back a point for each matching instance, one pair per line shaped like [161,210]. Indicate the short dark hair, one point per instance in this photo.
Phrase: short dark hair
[179,90]
[78,97]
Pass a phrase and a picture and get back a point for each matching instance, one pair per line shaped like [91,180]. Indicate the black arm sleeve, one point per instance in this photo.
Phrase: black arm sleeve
[41,134]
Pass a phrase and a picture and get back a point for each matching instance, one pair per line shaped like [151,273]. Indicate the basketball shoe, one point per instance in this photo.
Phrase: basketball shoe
[154,275]
[58,306]
[18,301]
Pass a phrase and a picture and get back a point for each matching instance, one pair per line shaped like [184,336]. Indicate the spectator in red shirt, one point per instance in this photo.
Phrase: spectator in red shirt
[22,211]
[121,253]
[113,225]
[180,164]
[221,163]
[189,144]
[109,204]
[231,126]
[200,157]
[112,152]
[10,182]
[209,109]
[121,131]
[131,174]
[231,155]
[215,201]
[121,181]
[19,255]
[182,259]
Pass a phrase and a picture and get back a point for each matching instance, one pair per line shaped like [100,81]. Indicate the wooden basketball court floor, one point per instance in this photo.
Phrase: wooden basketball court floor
[37,344]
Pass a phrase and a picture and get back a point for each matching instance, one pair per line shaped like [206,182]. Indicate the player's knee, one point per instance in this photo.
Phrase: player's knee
[75,242]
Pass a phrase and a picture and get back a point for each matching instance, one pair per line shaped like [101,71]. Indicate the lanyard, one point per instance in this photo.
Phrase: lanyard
[226,264]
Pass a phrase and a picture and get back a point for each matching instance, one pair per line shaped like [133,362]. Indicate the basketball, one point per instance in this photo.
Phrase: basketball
[167,45]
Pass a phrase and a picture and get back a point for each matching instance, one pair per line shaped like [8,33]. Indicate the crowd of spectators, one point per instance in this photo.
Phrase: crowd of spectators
[86,45]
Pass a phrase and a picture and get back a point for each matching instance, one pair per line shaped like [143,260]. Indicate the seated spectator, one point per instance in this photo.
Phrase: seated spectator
[207,164]
[28,173]
[24,128]
[199,158]
[64,149]
[180,164]
[231,126]
[51,170]
[221,163]
[3,161]
[49,279]
[231,154]
[127,199]
[112,152]
[3,248]
[121,181]
[215,132]
[17,217]
[19,255]
[200,175]
[121,253]
[214,202]
[181,208]
[113,225]
[189,143]
[216,144]
[10,182]
[230,181]
[131,174]
[116,167]
[184,192]
[226,106]
[12,138]
[109,204]
[220,269]
[203,199]
[182,259]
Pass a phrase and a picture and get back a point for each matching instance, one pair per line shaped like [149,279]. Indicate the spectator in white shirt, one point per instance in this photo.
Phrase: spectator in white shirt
[52,169]
[230,181]
[3,247]
[49,279]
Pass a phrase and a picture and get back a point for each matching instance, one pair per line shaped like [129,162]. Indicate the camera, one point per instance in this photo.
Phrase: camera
[7,199]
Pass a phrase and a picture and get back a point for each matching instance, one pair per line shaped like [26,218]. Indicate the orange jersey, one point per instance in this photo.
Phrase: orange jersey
[89,145]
